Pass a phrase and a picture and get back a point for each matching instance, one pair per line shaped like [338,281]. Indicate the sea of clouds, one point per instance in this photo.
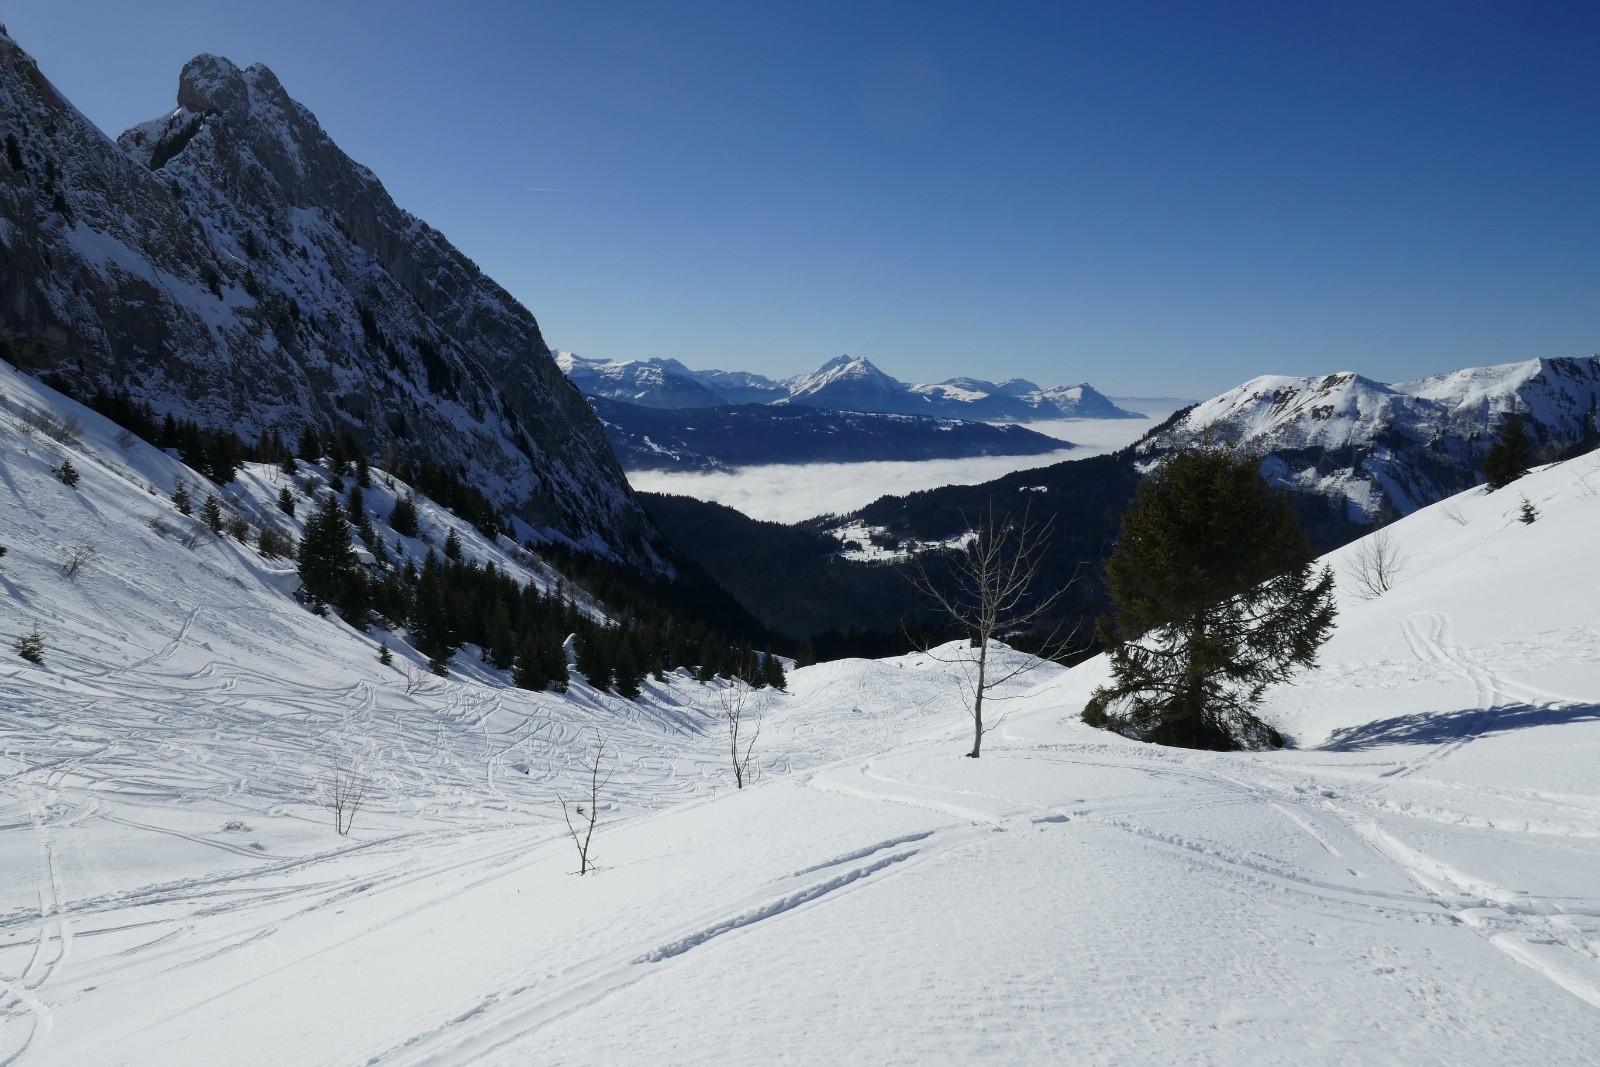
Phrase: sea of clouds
[789,492]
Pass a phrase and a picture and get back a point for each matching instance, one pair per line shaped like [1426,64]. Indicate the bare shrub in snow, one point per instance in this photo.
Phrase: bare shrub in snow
[343,790]
[587,809]
[196,535]
[235,826]
[741,710]
[159,527]
[1453,513]
[418,679]
[1375,565]
[79,557]
[66,430]
[126,440]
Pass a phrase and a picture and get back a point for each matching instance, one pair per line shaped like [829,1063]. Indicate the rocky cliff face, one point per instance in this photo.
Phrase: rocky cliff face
[1385,450]
[229,263]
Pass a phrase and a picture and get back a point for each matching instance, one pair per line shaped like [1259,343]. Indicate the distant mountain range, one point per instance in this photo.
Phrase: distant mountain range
[846,383]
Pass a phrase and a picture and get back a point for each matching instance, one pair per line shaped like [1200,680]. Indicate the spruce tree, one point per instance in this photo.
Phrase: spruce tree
[499,646]
[30,646]
[310,448]
[326,558]
[1508,457]
[180,498]
[529,670]
[626,670]
[68,474]
[211,513]
[385,657]
[452,545]
[403,518]
[1215,598]
[286,501]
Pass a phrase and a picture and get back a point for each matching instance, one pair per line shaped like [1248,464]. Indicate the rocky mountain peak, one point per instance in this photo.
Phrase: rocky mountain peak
[228,262]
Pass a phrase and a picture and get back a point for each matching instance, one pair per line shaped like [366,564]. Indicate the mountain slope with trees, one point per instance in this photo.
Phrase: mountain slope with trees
[229,265]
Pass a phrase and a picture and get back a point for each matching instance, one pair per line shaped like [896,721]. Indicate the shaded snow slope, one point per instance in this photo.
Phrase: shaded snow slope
[1418,883]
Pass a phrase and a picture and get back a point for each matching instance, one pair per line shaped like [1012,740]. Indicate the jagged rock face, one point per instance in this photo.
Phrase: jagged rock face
[229,263]
[1386,450]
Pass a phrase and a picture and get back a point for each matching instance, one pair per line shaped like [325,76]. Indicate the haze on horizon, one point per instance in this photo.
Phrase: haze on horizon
[1161,199]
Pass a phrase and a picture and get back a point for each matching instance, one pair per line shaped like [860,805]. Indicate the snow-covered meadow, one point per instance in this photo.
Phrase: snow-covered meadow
[1418,881]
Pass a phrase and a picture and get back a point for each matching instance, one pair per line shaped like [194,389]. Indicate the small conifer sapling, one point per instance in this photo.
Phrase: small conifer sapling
[30,646]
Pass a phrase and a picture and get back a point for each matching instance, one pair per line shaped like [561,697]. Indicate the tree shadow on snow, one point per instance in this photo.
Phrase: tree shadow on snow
[1436,728]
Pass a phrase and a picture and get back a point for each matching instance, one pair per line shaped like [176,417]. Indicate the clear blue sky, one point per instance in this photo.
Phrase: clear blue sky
[1159,198]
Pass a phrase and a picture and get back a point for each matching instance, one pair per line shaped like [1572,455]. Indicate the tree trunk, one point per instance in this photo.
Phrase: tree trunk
[977,701]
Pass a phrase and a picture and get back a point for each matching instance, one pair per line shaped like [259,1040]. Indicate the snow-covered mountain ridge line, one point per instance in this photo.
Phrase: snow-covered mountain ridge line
[1383,450]
[228,263]
[845,383]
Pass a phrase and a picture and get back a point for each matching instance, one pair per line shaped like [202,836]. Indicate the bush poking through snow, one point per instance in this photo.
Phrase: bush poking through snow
[1375,565]
[67,473]
[587,810]
[343,792]
[1527,514]
[78,558]
[30,646]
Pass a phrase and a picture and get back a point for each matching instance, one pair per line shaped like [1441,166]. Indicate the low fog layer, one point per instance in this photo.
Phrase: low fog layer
[790,492]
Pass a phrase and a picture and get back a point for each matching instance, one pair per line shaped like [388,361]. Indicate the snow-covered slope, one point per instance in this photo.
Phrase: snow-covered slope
[1418,883]
[227,262]
[1387,450]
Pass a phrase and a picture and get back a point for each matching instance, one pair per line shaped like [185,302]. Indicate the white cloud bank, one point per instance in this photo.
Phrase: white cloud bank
[789,492]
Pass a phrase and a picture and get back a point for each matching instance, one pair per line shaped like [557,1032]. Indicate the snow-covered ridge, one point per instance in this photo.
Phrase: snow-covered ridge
[1387,450]
[227,262]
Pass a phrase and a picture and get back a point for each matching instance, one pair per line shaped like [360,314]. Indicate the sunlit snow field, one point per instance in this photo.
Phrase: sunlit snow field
[1417,882]
[790,492]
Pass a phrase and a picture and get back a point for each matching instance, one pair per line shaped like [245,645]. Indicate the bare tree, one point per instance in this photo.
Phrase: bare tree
[1453,513]
[79,557]
[990,590]
[587,812]
[417,679]
[1375,565]
[741,710]
[343,792]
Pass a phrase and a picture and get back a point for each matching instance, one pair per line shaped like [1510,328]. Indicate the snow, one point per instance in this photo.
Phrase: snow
[1417,882]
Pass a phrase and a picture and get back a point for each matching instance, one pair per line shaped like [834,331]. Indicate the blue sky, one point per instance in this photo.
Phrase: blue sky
[1158,198]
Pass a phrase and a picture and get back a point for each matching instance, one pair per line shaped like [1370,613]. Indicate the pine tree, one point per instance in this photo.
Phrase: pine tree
[772,672]
[68,474]
[594,658]
[30,646]
[180,497]
[452,545]
[385,657]
[499,646]
[211,513]
[325,557]
[626,670]
[529,670]
[310,448]
[1527,514]
[1508,457]
[363,471]
[403,518]
[1215,599]
[431,622]
[286,501]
